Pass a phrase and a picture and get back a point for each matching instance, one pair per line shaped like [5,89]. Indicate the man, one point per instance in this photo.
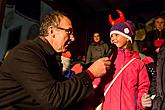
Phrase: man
[31,77]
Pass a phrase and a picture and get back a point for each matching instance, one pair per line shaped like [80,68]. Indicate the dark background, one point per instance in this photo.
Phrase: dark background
[90,15]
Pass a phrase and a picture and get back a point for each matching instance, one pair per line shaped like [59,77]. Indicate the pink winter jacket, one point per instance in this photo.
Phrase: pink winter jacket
[127,90]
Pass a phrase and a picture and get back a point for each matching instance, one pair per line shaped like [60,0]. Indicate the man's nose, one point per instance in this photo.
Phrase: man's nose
[72,38]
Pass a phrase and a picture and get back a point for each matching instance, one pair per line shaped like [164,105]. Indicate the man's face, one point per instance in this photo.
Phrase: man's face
[63,35]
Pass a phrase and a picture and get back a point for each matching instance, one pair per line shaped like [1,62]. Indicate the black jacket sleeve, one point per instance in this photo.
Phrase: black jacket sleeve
[31,70]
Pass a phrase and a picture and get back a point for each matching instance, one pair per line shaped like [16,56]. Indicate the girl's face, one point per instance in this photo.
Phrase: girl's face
[96,37]
[119,40]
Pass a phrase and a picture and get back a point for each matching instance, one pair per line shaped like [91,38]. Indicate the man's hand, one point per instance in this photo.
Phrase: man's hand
[146,100]
[77,68]
[100,67]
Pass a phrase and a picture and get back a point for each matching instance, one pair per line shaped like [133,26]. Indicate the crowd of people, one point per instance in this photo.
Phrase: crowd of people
[32,73]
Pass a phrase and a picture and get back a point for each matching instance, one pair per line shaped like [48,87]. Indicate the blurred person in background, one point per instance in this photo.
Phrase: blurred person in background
[159,101]
[97,49]
[155,38]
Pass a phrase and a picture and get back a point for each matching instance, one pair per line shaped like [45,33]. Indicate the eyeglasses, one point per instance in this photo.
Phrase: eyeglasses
[68,31]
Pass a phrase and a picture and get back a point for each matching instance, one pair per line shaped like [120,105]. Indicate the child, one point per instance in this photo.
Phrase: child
[129,91]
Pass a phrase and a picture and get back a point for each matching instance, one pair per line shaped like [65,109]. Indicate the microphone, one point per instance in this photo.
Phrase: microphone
[108,54]
[110,51]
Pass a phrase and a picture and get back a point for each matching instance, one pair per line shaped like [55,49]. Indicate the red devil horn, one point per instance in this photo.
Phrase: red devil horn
[111,21]
[120,19]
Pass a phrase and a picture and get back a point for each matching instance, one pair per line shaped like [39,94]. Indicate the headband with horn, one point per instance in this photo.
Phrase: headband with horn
[120,19]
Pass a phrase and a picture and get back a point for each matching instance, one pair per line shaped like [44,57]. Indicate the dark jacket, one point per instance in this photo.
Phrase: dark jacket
[159,102]
[30,79]
[150,42]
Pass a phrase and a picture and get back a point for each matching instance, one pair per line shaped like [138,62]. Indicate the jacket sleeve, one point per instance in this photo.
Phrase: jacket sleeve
[89,55]
[106,49]
[160,72]
[143,84]
[32,74]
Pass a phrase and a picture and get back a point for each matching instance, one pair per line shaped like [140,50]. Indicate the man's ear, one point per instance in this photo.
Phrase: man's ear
[51,31]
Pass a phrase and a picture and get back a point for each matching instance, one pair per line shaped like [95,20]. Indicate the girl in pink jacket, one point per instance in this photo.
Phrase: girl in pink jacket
[129,91]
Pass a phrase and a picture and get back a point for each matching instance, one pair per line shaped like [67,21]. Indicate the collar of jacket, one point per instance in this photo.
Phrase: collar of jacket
[99,43]
[46,46]
[128,53]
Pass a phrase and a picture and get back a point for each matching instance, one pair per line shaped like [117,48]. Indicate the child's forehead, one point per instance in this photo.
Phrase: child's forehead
[116,34]
[119,36]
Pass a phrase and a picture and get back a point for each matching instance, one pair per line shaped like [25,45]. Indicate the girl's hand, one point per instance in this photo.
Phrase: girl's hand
[146,100]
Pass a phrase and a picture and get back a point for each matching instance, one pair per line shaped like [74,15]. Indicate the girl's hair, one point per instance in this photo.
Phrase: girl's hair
[129,45]
[159,17]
